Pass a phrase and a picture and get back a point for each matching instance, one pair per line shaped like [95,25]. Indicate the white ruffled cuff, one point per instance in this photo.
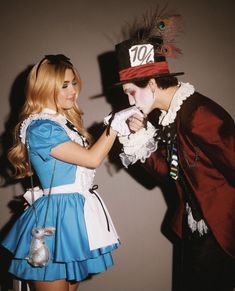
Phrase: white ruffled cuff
[138,146]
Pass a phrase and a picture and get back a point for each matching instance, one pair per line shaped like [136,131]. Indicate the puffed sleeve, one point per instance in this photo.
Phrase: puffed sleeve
[44,135]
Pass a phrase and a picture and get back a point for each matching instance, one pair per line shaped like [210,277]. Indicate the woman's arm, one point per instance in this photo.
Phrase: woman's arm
[92,157]
[47,138]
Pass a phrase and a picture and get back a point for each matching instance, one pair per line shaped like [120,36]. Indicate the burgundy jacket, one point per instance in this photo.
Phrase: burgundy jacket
[206,150]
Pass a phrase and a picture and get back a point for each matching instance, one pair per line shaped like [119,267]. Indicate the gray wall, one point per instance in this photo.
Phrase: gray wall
[83,30]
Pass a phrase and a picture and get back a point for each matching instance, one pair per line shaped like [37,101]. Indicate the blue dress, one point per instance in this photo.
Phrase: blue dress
[85,236]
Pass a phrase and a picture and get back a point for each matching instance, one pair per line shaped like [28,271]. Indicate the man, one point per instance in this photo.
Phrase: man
[193,143]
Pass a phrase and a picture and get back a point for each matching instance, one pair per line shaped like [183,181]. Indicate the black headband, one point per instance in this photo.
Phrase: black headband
[54,60]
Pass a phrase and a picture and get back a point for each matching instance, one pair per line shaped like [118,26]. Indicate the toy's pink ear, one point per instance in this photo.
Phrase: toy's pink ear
[49,230]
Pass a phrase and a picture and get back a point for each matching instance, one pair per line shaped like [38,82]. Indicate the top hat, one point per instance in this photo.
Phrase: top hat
[143,55]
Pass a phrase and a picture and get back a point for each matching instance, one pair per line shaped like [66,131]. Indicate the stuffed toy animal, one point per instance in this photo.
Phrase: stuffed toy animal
[39,252]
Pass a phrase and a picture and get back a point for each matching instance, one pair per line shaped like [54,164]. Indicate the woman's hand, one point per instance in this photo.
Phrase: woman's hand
[136,122]
[119,120]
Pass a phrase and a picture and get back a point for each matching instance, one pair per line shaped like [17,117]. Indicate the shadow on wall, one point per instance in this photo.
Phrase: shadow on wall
[16,100]
[115,96]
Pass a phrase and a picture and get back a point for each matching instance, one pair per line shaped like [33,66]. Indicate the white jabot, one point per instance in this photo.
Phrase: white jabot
[184,91]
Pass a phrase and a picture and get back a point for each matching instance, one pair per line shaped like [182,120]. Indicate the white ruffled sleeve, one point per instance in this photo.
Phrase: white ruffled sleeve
[138,146]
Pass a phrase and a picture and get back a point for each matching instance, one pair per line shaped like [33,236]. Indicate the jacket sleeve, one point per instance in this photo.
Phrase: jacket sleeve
[157,166]
[213,130]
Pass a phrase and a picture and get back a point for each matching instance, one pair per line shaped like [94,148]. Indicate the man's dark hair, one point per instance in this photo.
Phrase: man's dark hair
[162,82]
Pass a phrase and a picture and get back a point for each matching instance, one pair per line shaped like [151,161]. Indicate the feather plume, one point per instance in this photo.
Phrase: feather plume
[157,23]
[170,27]
[169,50]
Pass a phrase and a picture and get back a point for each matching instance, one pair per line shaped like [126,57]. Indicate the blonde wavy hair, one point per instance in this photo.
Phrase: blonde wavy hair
[45,79]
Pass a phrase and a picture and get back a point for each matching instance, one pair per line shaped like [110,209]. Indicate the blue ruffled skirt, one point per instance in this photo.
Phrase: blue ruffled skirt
[70,256]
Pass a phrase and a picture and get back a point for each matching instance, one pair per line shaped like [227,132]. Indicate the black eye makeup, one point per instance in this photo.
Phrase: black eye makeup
[65,85]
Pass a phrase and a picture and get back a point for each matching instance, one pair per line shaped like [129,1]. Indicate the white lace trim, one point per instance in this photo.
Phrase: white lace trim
[184,91]
[53,116]
[138,146]
[194,225]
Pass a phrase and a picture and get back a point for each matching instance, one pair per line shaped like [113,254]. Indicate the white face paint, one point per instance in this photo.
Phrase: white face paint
[142,98]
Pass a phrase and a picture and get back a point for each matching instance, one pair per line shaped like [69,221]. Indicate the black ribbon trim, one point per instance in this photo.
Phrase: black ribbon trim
[92,191]
[109,125]
[73,128]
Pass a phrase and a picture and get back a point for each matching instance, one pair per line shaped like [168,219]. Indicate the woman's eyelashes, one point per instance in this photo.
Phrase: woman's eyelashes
[66,84]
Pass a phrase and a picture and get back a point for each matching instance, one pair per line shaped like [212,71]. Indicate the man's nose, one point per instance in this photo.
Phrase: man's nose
[131,100]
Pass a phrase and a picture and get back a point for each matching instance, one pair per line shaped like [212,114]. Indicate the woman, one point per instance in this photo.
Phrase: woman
[67,234]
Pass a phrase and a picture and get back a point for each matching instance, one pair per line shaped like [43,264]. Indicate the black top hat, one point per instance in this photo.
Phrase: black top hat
[144,55]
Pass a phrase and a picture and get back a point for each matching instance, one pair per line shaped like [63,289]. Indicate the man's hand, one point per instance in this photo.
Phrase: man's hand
[136,122]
